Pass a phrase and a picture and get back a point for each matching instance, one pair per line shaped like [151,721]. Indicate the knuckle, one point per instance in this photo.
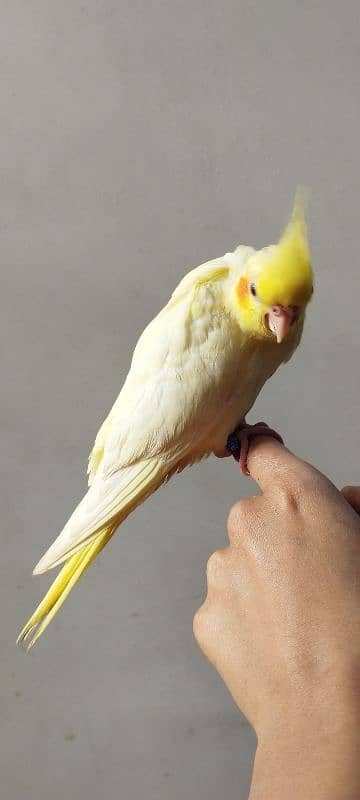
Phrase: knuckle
[215,568]
[208,628]
[238,519]
[201,623]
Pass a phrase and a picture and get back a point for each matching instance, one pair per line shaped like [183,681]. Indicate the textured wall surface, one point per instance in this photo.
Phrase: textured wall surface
[139,138]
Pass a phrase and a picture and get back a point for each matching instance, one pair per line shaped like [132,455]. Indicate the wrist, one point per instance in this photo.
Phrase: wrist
[311,752]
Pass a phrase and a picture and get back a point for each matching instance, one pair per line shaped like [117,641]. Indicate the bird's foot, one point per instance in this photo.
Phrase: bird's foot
[238,442]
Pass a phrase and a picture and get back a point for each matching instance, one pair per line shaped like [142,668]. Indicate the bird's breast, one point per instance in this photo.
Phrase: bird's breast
[239,366]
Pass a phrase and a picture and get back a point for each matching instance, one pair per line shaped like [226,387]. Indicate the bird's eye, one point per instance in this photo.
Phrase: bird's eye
[253,289]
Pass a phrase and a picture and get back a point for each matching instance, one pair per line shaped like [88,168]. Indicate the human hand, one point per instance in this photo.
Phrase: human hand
[281,623]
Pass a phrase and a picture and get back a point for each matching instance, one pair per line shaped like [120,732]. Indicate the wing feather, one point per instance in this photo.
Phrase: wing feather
[107,500]
[171,376]
[153,422]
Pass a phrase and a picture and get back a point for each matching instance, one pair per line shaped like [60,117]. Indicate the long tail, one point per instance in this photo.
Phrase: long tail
[68,576]
[107,503]
[108,499]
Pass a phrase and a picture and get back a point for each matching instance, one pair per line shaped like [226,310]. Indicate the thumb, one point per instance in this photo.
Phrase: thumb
[352,495]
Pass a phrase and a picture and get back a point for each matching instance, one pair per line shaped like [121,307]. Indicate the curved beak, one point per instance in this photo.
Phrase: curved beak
[279,319]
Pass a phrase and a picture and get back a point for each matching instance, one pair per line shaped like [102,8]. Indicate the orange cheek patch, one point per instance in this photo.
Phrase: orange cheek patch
[242,291]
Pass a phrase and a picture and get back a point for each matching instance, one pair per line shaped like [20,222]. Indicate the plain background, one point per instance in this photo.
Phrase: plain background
[138,139]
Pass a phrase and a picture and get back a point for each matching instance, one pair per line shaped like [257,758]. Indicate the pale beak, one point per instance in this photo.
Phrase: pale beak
[279,320]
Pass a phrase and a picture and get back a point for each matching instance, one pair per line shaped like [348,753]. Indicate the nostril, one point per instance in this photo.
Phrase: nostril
[276,310]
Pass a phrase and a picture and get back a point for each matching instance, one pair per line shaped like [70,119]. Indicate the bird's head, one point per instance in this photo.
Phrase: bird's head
[276,285]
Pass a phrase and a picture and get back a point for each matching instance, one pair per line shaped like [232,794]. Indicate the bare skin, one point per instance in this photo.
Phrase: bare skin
[281,624]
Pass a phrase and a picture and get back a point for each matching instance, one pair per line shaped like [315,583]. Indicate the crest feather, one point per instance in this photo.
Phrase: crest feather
[286,273]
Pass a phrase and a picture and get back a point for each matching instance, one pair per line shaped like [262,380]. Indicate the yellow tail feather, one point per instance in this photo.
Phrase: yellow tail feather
[68,576]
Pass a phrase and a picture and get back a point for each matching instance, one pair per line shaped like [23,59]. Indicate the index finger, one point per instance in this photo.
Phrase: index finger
[269,462]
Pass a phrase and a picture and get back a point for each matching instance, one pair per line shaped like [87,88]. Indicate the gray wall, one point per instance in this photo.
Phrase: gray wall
[137,139]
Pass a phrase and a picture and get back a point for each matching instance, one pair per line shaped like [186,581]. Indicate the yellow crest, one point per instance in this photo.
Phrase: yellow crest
[285,268]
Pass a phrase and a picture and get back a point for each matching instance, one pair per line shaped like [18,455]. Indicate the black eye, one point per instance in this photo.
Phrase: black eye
[252,289]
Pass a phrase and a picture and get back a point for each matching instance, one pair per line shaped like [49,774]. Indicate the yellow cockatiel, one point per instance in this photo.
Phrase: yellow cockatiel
[196,371]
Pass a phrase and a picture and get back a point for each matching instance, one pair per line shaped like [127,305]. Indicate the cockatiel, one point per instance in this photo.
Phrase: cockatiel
[195,373]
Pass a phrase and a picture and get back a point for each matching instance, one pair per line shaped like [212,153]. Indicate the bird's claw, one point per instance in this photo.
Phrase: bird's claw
[238,442]
[233,446]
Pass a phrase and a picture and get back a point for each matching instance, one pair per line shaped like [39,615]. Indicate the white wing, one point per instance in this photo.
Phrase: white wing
[170,390]
[162,412]
[106,501]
